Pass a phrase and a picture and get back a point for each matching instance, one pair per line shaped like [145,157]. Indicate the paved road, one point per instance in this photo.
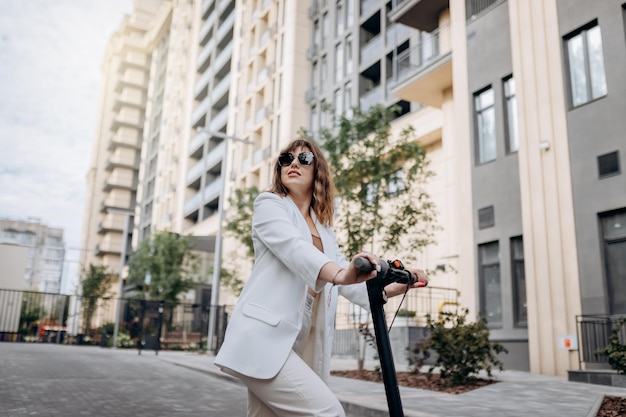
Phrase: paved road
[72,381]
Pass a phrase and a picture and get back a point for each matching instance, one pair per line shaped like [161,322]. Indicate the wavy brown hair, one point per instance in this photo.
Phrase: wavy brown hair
[322,201]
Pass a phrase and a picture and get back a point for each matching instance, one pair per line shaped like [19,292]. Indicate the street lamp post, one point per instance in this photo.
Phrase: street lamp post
[217,258]
[128,214]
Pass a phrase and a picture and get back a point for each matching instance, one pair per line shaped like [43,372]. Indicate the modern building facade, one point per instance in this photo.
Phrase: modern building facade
[46,253]
[529,93]
[112,179]
[517,103]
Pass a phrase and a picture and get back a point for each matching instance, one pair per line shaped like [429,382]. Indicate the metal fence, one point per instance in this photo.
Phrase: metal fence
[594,334]
[27,316]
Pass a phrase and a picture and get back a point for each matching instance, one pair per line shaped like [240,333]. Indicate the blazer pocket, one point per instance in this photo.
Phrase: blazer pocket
[258,312]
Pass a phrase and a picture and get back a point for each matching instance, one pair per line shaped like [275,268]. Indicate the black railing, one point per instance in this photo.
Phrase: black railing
[27,316]
[594,334]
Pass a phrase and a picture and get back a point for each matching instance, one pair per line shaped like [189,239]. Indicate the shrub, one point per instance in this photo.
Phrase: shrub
[616,351]
[463,349]
[403,312]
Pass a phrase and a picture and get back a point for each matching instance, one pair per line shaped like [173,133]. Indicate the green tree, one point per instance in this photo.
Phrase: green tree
[239,226]
[95,285]
[380,181]
[169,262]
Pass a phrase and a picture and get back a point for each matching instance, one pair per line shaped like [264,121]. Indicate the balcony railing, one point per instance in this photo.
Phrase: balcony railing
[371,50]
[372,97]
[424,53]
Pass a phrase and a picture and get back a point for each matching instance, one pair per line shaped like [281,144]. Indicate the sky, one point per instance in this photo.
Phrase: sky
[50,58]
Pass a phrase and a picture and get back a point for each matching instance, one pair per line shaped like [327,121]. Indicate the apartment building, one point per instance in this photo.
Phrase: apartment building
[112,178]
[530,96]
[517,103]
[46,253]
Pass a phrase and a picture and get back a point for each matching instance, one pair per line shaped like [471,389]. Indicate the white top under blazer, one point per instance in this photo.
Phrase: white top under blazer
[268,315]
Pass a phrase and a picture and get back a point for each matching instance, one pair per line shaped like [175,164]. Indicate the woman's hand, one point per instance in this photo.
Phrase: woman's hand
[353,275]
[396,288]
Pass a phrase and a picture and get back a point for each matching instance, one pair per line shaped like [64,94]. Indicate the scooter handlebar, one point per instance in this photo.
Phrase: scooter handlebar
[390,272]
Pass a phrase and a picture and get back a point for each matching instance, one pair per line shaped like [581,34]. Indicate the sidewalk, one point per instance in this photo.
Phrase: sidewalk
[518,394]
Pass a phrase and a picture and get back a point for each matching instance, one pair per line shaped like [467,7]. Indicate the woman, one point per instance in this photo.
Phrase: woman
[279,338]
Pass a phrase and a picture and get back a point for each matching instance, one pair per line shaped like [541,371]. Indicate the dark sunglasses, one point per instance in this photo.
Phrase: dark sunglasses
[305,158]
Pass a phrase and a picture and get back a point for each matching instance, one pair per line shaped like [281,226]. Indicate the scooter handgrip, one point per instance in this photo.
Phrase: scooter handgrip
[363,264]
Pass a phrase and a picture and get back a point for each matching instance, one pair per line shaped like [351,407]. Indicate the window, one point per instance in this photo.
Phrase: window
[314,75]
[485,125]
[586,64]
[614,250]
[510,108]
[338,62]
[347,99]
[396,183]
[490,288]
[325,29]
[348,50]
[338,105]
[518,277]
[323,72]
[486,217]
[317,36]
[340,19]
[608,164]
[314,121]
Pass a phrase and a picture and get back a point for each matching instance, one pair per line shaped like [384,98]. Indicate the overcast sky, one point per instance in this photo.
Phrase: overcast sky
[50,57]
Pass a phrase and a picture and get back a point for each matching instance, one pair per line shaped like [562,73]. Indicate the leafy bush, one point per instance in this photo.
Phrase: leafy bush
[403,312]
[616,351]
[463,349]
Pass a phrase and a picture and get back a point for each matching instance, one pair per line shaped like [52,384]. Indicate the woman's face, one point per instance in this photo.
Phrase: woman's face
[297,176]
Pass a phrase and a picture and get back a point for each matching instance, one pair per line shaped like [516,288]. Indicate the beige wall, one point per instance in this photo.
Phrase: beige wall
[13,264]
[548,220]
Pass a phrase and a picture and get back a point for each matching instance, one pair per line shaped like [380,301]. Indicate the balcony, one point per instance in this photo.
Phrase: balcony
[220,89]
[223,57]
[218,122]
[125,139]
[421,74]
[128,119]
[132,98]
[418,14]
[130,80]
[117,161]
[204,57]
[371,50]
[196,144]
[126,182]
[226,26]
[200,112]
[396,34]
[193,203]
[368,6]
[195,172]
[212,191]
[371,98]
[215,156]
[205,29]
[201,88]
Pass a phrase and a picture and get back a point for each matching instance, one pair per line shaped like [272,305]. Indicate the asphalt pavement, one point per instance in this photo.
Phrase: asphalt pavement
[72,381]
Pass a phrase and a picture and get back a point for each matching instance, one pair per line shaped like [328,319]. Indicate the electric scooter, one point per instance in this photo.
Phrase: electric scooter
[390,272]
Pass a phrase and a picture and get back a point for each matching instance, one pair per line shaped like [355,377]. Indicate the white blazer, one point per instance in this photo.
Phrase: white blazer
[268,316]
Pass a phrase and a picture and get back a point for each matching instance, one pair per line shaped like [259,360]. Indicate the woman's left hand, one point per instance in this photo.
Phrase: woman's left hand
[396,288]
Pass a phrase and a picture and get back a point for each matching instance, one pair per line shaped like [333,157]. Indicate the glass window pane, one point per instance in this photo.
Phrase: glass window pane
[491,292]
[520,315]
[616,274]
[578,78]
[487,135]
[596,63]
[511,114]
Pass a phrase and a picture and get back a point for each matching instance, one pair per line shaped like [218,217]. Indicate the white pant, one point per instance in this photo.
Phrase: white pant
[295,391]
